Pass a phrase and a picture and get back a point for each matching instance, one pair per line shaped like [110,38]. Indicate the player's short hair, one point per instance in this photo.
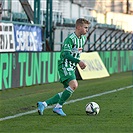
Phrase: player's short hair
[81,21]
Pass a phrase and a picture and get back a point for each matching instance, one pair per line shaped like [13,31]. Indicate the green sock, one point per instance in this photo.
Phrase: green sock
[55,99]
[65,95]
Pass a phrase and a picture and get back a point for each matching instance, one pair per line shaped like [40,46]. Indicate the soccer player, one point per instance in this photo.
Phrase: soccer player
[69,58]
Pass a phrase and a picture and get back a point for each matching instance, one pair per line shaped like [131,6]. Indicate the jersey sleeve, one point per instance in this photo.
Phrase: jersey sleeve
[67,55]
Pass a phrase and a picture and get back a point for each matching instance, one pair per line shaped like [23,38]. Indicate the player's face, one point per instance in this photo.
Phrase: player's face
[84,29]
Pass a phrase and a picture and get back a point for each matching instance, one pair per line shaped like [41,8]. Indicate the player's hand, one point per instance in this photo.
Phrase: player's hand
[82,65]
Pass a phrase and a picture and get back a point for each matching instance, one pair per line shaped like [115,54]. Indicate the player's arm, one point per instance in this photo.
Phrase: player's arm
[82,65]
[67,55]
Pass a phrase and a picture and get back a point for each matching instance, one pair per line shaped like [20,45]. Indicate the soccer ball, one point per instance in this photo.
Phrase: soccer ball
[92,108]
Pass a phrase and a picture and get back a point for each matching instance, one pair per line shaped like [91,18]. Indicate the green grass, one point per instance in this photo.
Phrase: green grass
[115,116]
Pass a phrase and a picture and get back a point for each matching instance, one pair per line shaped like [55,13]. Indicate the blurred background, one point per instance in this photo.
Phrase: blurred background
[57,19]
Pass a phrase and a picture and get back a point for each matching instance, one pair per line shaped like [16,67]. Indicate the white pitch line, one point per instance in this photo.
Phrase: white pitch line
[71,101]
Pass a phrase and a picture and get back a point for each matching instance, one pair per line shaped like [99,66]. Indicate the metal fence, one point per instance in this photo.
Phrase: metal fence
[99,38]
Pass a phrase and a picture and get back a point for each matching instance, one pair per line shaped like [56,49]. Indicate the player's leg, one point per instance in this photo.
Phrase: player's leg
[72,85]
[53,100]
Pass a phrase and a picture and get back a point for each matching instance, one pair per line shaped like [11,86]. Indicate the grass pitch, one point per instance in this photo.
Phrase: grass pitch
[115,116]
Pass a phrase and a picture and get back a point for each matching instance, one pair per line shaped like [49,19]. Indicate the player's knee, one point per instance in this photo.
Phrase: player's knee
[75,86]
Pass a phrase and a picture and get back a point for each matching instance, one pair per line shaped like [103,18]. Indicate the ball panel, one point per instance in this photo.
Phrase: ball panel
[92,108]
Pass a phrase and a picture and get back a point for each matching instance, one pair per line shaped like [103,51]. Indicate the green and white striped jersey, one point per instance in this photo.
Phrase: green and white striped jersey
[74,45]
